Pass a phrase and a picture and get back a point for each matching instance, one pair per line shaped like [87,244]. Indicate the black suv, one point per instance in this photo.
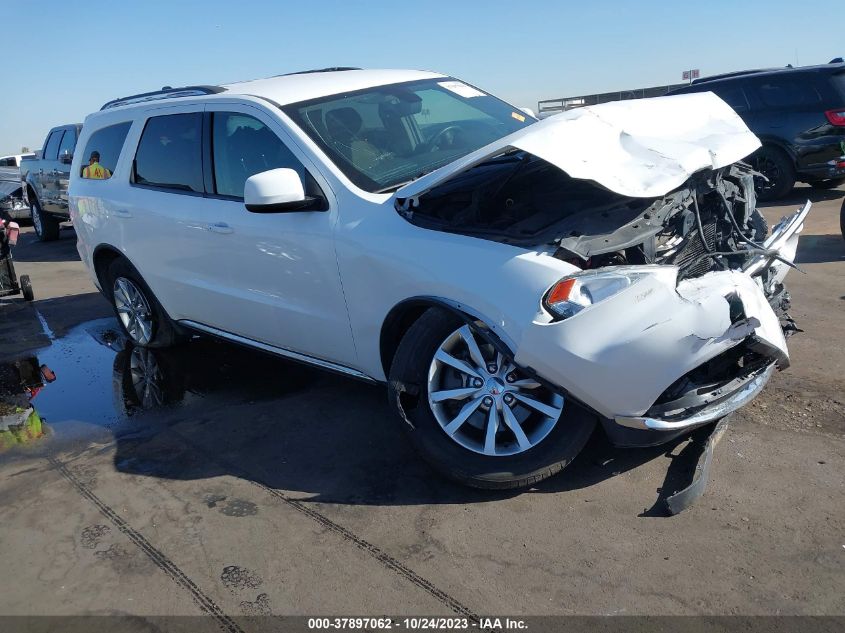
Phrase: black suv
[799,116]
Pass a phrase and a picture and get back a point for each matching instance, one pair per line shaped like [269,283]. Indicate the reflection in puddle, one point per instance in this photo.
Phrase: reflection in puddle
[107,383]
[20,382]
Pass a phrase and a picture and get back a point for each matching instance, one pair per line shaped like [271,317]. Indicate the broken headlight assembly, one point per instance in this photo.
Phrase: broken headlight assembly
[572,294]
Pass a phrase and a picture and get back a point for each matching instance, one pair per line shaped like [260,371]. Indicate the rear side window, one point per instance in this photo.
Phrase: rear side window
[51,149]
[242,147]
[170,153]
[103,150]
[787,92]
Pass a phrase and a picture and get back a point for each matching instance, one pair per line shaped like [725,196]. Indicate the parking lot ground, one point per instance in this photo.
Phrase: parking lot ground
[263,487]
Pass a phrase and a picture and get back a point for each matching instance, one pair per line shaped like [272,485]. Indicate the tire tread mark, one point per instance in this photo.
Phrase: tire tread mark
[159,559]
[373,550]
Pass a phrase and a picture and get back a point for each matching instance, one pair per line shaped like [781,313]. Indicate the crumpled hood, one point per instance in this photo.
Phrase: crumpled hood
[641,148]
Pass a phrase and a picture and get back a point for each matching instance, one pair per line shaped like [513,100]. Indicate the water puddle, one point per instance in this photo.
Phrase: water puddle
[93,384]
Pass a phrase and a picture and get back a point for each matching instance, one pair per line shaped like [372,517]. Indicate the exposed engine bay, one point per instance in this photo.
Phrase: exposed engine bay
[710,223]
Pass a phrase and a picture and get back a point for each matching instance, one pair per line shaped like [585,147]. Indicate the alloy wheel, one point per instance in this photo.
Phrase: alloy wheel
[134,311]
[770,170]
[146,378]
[483,402]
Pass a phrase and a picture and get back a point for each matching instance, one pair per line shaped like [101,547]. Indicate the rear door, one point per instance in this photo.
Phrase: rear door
[61,172]
[163,224]
[43,180]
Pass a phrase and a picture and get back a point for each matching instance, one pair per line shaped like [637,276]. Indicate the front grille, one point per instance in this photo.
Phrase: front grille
[692,249]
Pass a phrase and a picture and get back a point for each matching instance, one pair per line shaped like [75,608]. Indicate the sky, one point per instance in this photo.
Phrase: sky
[71,57]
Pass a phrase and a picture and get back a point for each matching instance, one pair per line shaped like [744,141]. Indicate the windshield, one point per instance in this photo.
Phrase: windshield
[384,137]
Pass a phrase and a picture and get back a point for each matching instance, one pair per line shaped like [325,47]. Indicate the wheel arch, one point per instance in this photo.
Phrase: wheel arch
[104,255]
[405,313]
[30,194]
[773,142]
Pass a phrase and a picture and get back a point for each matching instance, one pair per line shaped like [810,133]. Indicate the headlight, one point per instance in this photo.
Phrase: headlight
[572,294]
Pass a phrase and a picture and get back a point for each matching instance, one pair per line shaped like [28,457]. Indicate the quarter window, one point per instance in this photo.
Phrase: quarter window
[244,146]
[170,153]
[51,149]
[103,150]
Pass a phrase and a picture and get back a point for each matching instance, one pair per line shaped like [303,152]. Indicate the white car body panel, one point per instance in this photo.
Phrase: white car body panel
[321,284]
[639,148]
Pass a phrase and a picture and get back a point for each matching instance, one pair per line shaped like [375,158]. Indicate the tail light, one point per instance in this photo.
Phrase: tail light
[836,117]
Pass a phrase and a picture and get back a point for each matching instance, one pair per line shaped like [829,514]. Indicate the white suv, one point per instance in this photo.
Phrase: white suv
[513,282]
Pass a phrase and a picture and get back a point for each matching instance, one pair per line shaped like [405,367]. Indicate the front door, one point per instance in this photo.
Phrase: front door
[284,285]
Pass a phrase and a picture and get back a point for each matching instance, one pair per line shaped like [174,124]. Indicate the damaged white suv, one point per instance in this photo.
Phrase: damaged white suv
[513,282]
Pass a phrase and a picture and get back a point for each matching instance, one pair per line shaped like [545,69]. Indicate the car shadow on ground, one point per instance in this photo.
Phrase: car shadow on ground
[800,195]
[223,410]
[30,249]
[819,249]
[22,324]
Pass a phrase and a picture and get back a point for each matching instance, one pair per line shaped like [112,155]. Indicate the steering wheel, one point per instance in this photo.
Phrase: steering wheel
[449,134]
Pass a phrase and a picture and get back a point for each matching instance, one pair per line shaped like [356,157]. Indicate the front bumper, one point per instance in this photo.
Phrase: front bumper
[710,412]
[620,356]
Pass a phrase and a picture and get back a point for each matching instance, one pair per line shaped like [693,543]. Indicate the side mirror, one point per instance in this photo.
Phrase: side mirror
[66,157]
[276,191]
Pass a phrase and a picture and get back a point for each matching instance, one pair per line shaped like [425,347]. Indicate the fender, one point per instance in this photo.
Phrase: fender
[478,323]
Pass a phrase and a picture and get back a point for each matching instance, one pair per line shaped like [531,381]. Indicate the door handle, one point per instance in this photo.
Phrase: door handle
[122,213]
[220,227]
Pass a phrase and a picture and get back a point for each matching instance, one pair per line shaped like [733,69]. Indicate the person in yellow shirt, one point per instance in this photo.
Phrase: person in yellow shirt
[94,169]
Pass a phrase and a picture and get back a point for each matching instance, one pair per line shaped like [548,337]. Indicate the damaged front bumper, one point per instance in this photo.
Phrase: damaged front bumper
[660,419]
[626,356]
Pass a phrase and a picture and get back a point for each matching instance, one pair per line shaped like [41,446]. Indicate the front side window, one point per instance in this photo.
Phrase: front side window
[243,146]
[103,150]
[384,137]
[169,153]
[51,149]
[733,95]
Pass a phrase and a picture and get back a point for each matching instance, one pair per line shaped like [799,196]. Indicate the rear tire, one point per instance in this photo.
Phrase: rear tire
[46,227]
[777,166]
[26,288]
[550,450]
[140,315]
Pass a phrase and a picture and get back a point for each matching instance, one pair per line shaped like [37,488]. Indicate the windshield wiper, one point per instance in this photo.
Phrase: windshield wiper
[393,188]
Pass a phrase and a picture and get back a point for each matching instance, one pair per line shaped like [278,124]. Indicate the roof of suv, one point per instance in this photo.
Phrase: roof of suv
[833,67]
[291,88]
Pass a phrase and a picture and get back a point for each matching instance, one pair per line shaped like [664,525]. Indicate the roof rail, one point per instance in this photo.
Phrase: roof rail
[165,93]
[736,73]
[332,69]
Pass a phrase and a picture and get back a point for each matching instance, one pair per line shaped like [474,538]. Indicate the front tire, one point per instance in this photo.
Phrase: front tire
[140,315]
[473,415]
[46,227]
